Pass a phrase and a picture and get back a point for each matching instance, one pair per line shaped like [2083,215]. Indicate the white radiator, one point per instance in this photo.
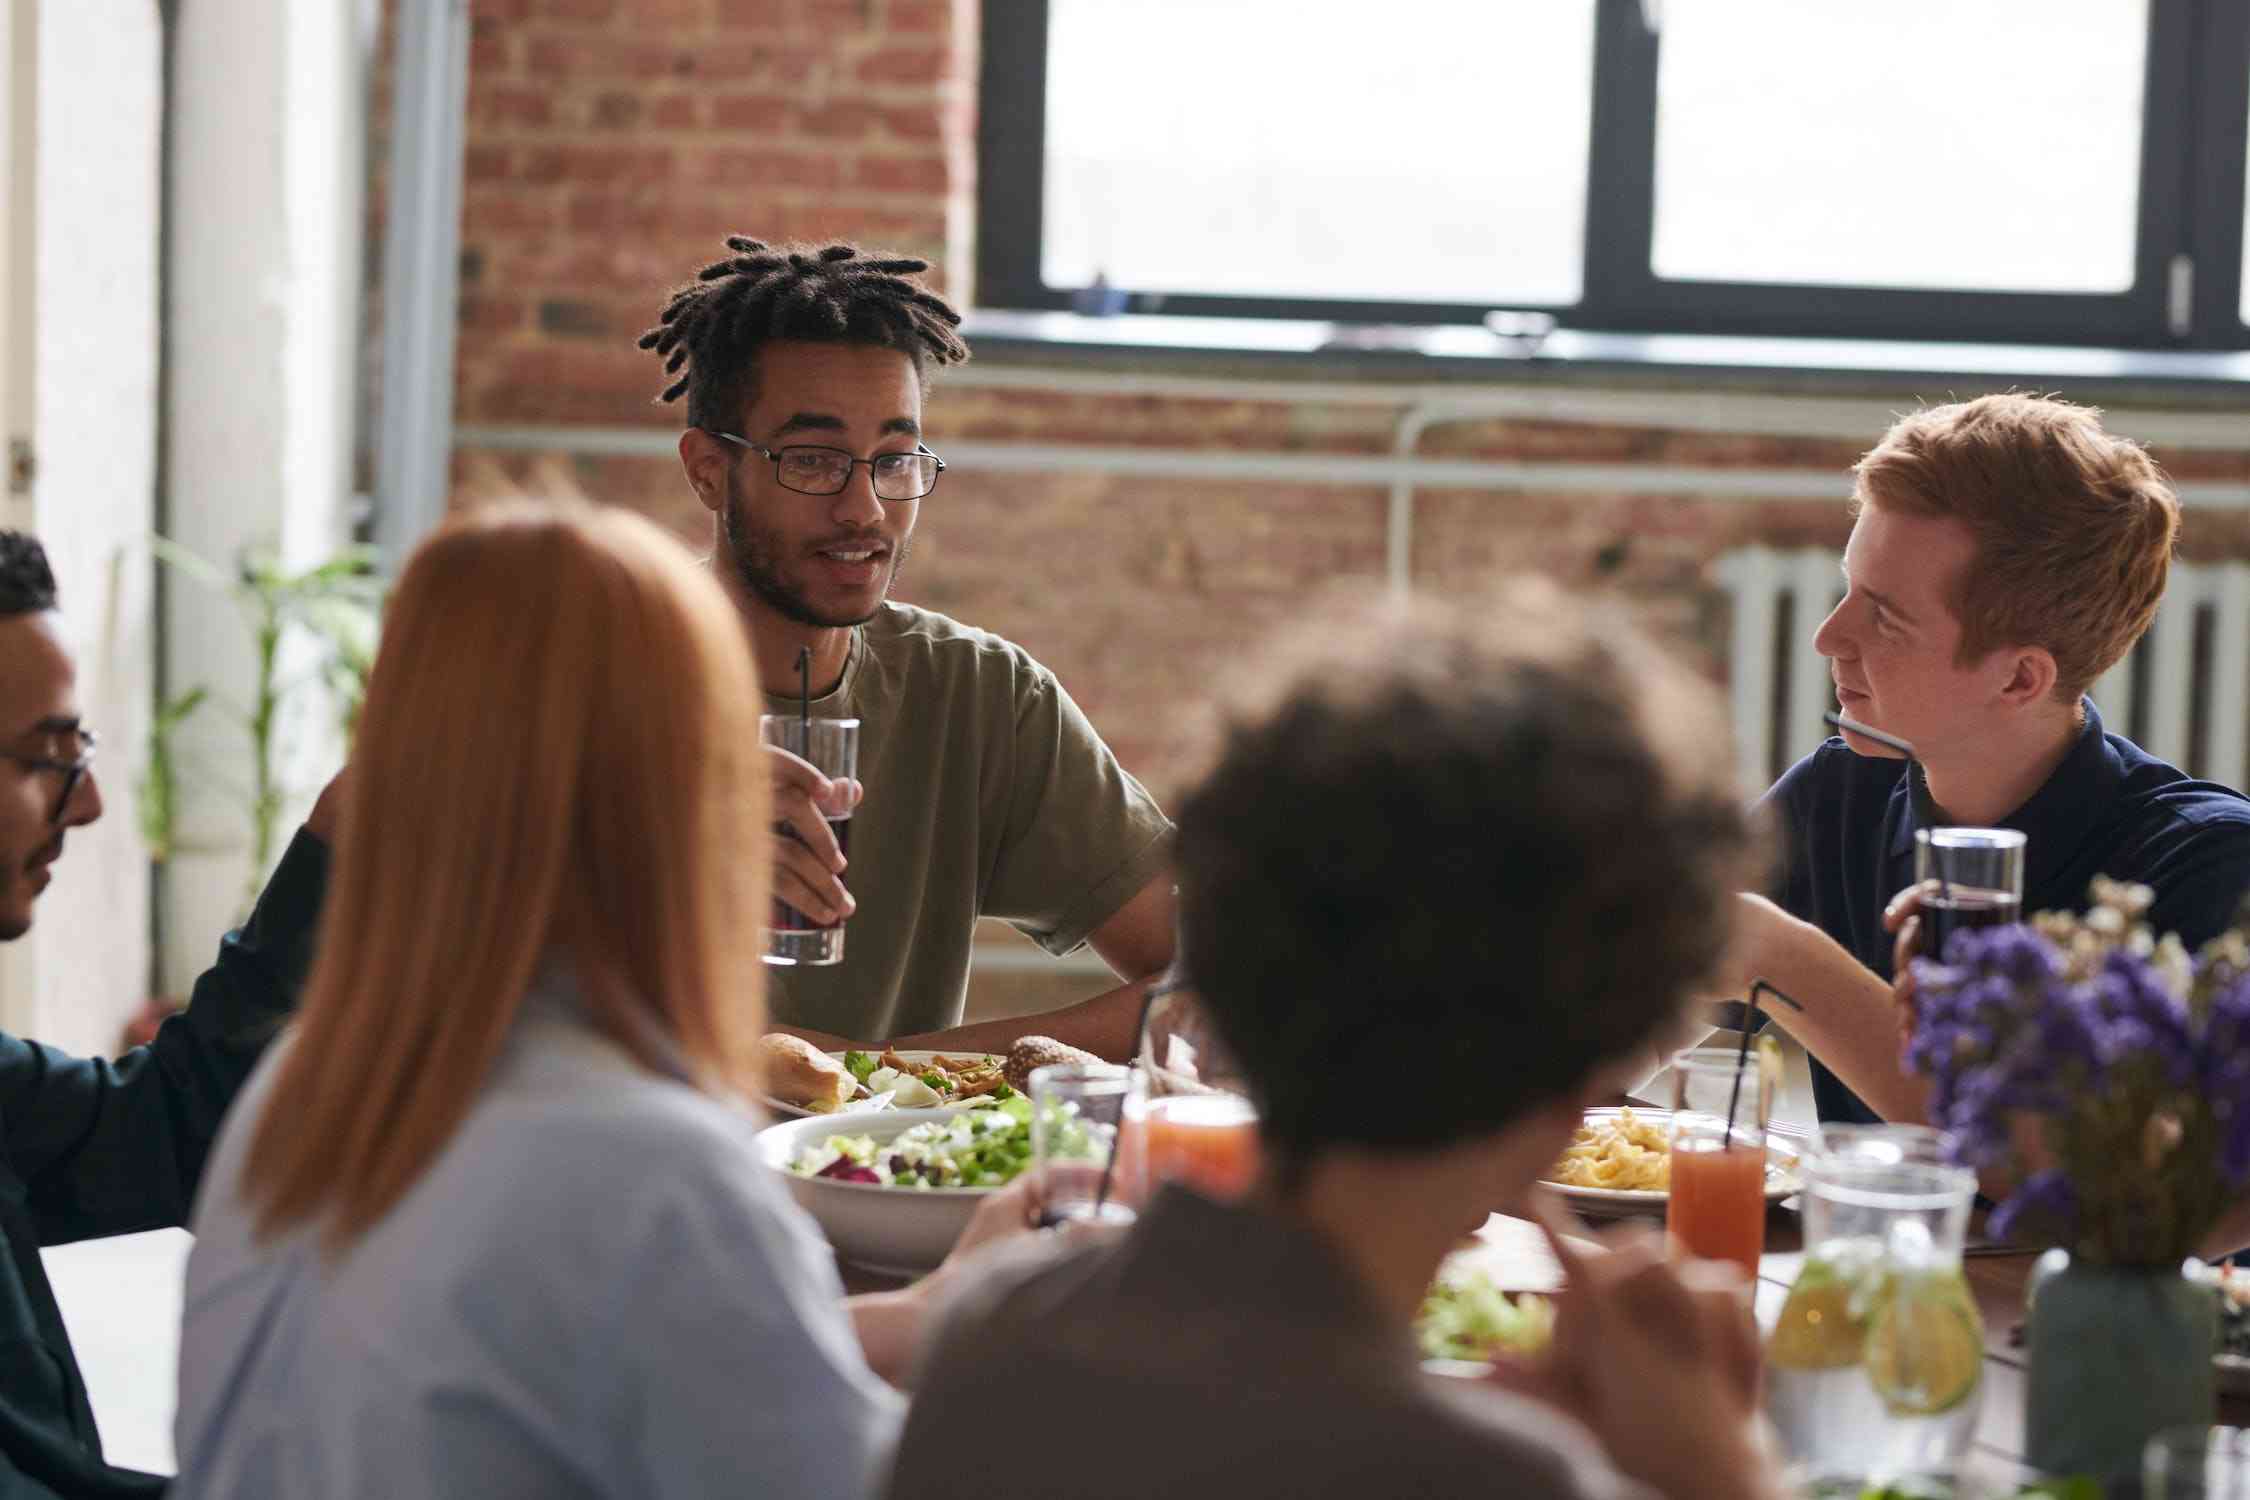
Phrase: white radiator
[2183,693]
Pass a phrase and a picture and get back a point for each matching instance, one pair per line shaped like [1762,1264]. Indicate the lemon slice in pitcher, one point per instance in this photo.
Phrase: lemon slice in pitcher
[1817,1329]
[1925,1349]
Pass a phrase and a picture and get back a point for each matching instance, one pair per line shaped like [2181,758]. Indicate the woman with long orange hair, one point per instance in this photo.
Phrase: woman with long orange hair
[489,1222]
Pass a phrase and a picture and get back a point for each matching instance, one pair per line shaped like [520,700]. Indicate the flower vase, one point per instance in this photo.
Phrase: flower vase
[2117,1354]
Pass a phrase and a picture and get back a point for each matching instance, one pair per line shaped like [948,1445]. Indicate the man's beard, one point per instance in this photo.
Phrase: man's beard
[756,556]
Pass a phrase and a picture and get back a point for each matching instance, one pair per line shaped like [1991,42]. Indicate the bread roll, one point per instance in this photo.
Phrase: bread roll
[796,1072]
[1038,1052]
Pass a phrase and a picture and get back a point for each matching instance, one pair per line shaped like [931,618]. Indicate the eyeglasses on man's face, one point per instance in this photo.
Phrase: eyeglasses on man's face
[71,756]
[813,470]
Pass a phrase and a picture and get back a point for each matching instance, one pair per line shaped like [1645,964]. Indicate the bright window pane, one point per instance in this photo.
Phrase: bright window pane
[1426,151]
[1959,144]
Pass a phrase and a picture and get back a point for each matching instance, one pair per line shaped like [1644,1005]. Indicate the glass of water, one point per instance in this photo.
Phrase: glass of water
[1076,1111]
[2197,1463]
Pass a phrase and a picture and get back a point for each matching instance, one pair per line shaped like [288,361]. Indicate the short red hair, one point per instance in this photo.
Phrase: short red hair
[2074,526]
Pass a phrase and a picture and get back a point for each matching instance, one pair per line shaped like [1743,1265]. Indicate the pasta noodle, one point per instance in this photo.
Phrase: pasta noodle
[1620,1151]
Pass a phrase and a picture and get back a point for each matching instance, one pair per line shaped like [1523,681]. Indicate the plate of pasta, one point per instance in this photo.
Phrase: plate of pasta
[1620,1162]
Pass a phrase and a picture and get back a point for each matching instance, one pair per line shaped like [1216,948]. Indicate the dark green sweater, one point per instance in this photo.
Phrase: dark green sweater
[91,1148]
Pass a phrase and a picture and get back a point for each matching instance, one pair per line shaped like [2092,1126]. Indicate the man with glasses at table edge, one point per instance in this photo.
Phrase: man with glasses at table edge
[987,792]
[91,1148]
[2005,553]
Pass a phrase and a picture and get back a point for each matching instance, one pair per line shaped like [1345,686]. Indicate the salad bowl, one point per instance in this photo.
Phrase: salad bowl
[897,1231]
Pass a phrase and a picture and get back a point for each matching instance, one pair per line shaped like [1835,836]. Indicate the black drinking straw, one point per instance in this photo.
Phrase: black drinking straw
[804,697]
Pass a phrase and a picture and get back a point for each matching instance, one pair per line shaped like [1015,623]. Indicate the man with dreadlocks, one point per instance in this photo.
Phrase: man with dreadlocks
[987,793]
[90,1148]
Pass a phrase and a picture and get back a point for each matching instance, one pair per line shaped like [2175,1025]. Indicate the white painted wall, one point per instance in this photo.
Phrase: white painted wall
[263,337]
[94,365]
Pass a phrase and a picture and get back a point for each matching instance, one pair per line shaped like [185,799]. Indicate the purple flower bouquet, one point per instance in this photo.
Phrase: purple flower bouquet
[2103,1073]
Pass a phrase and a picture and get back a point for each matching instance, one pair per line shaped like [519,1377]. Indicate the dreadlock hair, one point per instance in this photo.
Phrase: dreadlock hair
[715,325]
[27,584]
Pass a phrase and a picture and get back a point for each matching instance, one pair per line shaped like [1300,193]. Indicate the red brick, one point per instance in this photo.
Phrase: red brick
[763,15]
[481,162]
[904,65]
[604,57]
[838,17]
[914,122]
[921,16]
[496,11]
[619,163]
[736,167]
[488,317]
[904,174]
[492,55]
[616,111]
[506,208]
[750,111]
[675,112]
[585,11]
[841,119]
[494,102]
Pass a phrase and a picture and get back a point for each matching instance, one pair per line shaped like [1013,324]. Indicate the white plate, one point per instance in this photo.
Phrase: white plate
[1785,1147]
[913,1055]
[895,1230]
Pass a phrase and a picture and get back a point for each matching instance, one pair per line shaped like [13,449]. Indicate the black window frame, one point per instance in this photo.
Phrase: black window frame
[2196,108]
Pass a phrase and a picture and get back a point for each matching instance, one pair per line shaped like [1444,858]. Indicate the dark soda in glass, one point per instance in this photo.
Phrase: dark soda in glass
[1956,908]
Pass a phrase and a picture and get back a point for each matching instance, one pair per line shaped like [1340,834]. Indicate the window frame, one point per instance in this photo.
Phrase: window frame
[2196,119]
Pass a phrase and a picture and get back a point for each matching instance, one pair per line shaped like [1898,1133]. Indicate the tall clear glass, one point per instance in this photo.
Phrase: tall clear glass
[1716,1210]
[1970,878]
[1875,1367]
[1076,1109]
[831,746]
[2197,1463]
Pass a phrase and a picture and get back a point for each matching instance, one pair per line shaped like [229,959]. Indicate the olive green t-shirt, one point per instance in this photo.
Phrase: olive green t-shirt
[988,794]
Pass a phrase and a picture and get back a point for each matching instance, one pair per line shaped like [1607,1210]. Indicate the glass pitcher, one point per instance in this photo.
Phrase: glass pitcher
[1875,1366]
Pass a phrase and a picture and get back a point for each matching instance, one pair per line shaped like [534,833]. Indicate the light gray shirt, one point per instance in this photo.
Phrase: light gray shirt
[595,1290]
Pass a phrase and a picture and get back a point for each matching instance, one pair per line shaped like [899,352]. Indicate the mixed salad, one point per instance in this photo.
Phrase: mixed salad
[1465,1316]
[976,1148]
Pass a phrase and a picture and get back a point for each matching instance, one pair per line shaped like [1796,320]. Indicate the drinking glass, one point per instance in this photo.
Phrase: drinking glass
[831,746]
[1192,1120]
[1875,1367]
[2197,1463]
[1717,1204]
[1075,1111]
[1970,878]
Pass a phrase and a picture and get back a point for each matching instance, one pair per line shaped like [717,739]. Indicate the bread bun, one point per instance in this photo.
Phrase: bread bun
[796,1072]
[1038,1052]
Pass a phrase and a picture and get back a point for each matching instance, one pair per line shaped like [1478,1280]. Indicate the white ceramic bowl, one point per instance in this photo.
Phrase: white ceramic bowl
[897,1231]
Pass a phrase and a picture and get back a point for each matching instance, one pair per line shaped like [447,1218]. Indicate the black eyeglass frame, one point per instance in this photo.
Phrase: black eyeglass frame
[73,771]
[851,462]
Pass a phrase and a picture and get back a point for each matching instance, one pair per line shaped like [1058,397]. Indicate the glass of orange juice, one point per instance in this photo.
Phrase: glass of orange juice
[1717,1207]
[1189,1118]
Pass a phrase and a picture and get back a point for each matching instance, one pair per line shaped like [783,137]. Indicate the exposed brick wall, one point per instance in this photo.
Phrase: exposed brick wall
[612,142]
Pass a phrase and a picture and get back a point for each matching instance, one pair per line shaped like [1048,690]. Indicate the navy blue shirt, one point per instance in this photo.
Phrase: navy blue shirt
[2109,809]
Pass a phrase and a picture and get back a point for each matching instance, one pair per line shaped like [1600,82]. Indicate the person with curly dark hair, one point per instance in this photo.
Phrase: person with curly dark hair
[1527,847]
[986,791]
[89,1147]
